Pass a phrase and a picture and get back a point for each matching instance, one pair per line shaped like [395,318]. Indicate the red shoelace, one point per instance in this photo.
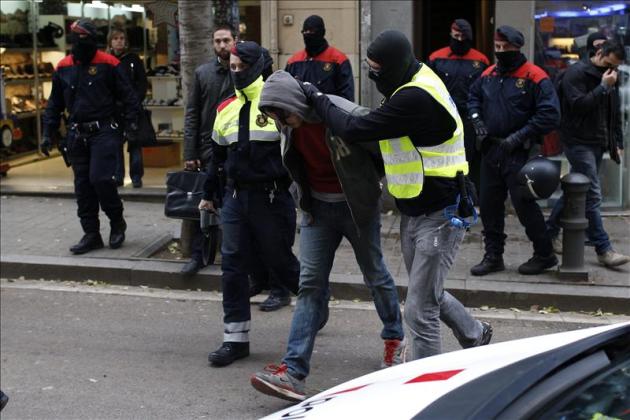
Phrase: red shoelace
[276,370]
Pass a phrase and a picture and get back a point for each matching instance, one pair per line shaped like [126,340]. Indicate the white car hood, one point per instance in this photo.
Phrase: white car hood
[404,390]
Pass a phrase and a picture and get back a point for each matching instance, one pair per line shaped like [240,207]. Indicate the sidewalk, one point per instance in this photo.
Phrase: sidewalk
[36,233]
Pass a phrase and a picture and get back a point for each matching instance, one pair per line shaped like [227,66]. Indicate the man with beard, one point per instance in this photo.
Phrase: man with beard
[88,84]
[211,86]
[258,213]
[420,136]
[459,65]
[321,64]
[511,105]
[591,125]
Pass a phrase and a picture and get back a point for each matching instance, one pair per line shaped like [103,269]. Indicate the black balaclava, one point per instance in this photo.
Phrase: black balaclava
[83,47]
[461,47]
[508,61]
[314,43]
[595,36]
[252,54]
[392,50]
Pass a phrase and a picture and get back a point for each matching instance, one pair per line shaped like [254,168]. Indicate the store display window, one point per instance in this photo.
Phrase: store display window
[562,29]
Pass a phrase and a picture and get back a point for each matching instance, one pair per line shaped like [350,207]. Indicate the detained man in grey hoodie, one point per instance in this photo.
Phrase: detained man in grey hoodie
[338,187]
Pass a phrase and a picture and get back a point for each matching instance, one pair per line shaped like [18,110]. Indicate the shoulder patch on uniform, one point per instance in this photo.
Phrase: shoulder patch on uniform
[331,54]
[531,72]
[225,103]
[298,56]
[487,72]
[103,58]
[476,55]
[67,61]
[441,53]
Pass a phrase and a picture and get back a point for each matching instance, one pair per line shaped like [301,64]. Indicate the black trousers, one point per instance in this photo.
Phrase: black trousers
[254,225]
[498,177]
[94,159]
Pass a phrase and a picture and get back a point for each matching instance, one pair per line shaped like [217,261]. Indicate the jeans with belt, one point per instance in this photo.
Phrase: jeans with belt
[321,233]
[429,246]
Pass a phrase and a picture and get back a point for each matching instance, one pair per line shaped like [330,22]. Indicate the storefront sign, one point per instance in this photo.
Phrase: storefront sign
[547,24]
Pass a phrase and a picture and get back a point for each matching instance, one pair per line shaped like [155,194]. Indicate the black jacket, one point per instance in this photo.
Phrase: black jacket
[522,102]
[212,86]
[90,92]
[132,65]
[590,111]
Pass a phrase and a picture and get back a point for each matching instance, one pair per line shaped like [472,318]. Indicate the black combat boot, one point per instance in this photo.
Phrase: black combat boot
[117,233]
[192,267]
[489,264]
[228,352]
[538,264]
[89,242]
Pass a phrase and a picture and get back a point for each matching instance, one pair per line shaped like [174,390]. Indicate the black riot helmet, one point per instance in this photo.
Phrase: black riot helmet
[538,178]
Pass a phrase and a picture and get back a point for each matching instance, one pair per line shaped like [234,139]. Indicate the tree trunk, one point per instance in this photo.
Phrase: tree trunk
[195,43]
[195,37]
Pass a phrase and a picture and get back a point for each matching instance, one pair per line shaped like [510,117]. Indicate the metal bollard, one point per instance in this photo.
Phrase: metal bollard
[574,223]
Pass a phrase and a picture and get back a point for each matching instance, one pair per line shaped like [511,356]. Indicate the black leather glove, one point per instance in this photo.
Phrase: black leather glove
[46,145]
[131,133]
[508,145]
[309,90]
[480,128]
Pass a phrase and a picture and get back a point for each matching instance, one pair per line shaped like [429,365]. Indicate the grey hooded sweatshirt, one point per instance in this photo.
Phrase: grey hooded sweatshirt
[359,166]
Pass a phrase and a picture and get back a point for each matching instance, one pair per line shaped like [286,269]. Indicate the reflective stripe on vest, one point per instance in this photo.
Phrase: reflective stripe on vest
[261,128]
[405,164]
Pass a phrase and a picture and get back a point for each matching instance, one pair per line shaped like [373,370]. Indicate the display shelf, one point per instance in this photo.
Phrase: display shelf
[23,115]
[28,50]
[10,82]
[164,139]
[153,107]
[164,77]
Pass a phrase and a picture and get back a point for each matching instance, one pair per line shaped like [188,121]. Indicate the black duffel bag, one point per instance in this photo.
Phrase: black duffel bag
[184,191]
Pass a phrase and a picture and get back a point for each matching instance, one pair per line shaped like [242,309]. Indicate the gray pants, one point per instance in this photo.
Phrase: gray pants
[429,245]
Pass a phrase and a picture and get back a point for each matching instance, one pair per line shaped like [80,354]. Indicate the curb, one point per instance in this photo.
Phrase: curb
[165,275]
[145,292]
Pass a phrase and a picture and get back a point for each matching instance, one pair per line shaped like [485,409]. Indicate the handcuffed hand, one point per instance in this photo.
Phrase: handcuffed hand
[46,146]
[192,165]
[207,205]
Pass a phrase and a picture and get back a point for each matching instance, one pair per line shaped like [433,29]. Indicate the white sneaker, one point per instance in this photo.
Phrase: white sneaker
[556,243]
[612,259]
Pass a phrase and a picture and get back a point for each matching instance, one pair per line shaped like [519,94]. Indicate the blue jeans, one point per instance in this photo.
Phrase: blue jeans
[136,166]
[429,247]
[586,160]
[321,234]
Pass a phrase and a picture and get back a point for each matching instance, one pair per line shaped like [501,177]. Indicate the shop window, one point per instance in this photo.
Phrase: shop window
[562,29]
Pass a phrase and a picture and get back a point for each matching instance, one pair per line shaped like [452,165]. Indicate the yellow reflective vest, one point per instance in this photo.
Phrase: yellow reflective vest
[226,125]
[405,164]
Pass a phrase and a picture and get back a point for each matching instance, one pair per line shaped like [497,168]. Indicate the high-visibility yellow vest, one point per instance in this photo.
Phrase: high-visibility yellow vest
[226,125]
[405,164]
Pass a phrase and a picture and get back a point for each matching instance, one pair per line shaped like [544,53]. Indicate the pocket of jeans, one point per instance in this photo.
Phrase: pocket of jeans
[440,240]
[307,219]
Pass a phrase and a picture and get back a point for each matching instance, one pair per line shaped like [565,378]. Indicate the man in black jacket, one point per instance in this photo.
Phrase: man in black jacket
[212,85]
[591,124]
[132,64]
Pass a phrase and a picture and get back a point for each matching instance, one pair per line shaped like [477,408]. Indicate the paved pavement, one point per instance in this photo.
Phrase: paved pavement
[72,351]
[37,232]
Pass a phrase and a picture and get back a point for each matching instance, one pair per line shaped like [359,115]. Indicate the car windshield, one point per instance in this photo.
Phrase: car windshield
[605,397]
